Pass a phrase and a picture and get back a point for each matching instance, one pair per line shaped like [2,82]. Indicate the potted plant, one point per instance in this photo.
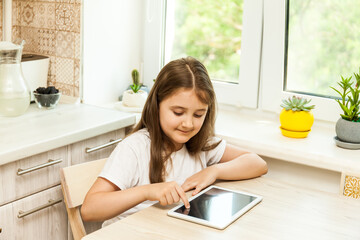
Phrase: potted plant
[348,126]
[296,117]
[135,96]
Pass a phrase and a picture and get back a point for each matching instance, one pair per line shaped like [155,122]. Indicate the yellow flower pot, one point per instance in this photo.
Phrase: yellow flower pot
[299,122]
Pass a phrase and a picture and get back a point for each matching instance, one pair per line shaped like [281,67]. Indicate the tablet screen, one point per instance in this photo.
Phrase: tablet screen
[216,205]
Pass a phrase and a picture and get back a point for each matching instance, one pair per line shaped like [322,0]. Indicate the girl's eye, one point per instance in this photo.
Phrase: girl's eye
[197,115]
[178,113]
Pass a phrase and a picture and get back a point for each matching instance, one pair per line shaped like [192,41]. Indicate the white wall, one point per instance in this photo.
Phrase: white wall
[112,47]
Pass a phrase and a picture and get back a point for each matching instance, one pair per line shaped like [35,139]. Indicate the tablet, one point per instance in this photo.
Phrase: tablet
[216,207]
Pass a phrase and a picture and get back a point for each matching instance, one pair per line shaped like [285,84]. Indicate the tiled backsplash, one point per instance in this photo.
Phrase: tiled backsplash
[52,28]
[1,19]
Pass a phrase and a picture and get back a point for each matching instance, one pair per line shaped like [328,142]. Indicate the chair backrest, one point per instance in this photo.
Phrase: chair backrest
[76,181]
[350,185]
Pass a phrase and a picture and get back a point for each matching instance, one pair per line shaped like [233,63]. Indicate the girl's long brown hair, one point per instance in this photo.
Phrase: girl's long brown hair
[186,73]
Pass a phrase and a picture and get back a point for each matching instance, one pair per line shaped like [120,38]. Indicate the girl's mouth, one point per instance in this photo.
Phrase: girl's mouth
[185,132]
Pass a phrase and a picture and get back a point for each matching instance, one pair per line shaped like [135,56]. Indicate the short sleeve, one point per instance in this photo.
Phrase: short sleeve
[213,156]
[122,167]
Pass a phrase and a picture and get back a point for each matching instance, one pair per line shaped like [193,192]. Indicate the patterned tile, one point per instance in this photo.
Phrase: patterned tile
[352,187]
[65,44]
[65,70]
[66,89]
[27,14]
[76,91]
[1,13]
[47,41]
[31,39]
[1,20]
[77,23]
[77,73]
[15,33]
[52,71]
[64,17]
[15,13]
[45,15]
[68,1]
[77,45]
[52,28]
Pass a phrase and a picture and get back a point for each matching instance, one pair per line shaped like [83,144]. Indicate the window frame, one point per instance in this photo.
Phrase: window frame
[273,66]
[243,94]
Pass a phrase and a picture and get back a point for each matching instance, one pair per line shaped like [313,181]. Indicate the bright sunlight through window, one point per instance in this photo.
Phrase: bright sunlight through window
[209,30]
[323,43]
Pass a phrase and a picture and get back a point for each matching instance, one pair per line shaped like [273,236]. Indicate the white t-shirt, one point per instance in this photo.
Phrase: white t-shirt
[128,165]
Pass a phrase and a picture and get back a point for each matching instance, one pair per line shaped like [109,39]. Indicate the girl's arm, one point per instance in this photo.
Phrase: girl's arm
[235,164]
[105,200]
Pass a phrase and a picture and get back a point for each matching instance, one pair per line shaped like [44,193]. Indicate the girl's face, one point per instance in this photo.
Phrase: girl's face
[181,116]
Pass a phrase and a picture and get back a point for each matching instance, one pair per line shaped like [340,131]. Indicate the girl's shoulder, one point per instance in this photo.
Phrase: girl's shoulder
[138,138]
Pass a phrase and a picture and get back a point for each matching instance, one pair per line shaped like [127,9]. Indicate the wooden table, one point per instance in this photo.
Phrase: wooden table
[286,212]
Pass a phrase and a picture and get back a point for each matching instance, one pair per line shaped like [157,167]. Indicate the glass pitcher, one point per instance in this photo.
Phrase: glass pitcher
[14,90]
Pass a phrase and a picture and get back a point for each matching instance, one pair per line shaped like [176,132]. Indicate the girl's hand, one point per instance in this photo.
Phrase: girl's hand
[166,193]
[200,180]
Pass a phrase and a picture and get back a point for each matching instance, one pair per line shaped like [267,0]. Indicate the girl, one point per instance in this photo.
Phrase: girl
[172,149]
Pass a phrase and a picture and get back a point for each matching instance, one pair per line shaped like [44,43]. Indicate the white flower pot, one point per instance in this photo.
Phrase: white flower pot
[131,99]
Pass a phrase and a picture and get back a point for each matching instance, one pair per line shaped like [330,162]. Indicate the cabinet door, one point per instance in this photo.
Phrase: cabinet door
[80,150]
[50,222]
[17,179]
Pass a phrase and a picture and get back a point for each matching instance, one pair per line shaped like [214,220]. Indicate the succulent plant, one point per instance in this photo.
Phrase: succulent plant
[297,104]
[350,98]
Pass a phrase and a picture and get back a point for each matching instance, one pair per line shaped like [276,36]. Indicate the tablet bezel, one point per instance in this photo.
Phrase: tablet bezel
[224,224]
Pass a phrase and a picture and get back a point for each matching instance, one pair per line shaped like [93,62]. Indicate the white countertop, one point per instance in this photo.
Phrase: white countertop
[40,130]
[260,133]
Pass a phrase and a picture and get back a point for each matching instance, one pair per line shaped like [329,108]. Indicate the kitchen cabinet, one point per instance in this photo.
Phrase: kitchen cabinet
[50,222]
[96,147]
[37,145]
[31,182]
[32,174]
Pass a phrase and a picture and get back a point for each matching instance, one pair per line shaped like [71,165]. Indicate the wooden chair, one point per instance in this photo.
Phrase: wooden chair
[76,181]
[350,185]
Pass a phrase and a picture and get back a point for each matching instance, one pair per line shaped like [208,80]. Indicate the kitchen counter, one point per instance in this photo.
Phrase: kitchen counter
[40,130]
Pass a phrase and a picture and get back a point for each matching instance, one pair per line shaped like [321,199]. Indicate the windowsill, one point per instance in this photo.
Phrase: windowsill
[259,132]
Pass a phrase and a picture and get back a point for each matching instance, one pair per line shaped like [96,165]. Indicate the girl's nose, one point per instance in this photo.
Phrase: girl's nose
[187,123]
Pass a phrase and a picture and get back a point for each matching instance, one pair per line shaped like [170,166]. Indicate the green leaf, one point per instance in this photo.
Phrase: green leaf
[135,88]
[337,91]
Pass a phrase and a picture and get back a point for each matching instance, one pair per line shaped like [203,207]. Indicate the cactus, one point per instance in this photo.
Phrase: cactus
[297,104]
[136,84]
[135,77]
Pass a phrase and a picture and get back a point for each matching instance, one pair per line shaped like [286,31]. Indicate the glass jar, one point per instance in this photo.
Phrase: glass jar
[14,90]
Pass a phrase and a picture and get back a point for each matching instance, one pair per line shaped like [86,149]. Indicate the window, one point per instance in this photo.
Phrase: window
[303,47]
[307,45]
[224,35]
[322,44]
[207,30]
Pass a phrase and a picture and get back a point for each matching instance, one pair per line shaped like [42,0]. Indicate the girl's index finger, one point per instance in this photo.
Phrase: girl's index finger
[182,195]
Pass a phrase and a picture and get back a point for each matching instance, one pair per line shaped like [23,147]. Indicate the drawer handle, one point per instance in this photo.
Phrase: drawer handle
[49,204]
[49,163]
[112,142]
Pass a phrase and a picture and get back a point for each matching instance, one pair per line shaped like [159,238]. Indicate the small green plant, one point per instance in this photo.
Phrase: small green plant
[350,98]
[136,84]
[297,104]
